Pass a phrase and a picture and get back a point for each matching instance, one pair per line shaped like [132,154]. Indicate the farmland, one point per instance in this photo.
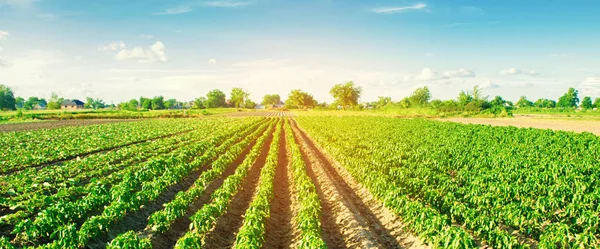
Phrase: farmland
[277,180]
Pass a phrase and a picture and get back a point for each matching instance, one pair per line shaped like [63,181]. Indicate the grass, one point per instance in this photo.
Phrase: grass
[37,115]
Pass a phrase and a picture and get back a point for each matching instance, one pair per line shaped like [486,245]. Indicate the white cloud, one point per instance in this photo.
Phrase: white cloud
[4,34]
[156,53]
[227,4]
[391,10]
[145,36]
[113,46]
[428,74]
[489,85]
[516,71]
[176,11]
[460,73]
[510,71]
[590,86]
[212,61]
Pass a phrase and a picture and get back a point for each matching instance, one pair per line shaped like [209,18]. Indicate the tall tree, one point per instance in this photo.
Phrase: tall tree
[238,96]
[597,103]
[569,99]
[346,94]
[271,99]
[545,103]
[92,103]
[19,102]
[7,98]
[55,101]
[586,103]
[215,98]
[524,102]
[249,104]
[170,103]
[299,99]
[420,97]
[200,103]
[158,103]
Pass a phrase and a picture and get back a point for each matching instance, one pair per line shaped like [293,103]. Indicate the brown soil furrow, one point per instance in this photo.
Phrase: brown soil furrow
[80,155]
[223,235]
[361,226]
[279,231]
[181,225]
[388,220]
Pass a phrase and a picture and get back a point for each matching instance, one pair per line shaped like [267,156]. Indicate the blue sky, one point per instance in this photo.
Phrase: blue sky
[117,50]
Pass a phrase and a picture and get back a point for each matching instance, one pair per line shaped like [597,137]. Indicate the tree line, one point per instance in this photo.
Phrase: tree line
[346,96]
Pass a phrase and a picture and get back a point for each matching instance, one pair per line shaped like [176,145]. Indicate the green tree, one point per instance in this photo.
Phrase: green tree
[524,102]
[55,101]
[238,96]
[170,103]
[91,103]
[586,103]
[597,103]
[145,103]
[569,99]
[382,102]
[215,98]
[271,99]
[133,104]
[19,102]
[249,104]
[299,99]
[346,94]
[7,98]
[420,97]
[545,103]
[158,103]
[200,103]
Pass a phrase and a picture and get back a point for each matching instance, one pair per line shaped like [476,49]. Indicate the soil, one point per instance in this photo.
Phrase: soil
[279,231]
[362,220]
[57,124]
[532,121]
[224,233]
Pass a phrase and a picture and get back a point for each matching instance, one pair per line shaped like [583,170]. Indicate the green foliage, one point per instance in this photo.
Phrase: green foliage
[346,95]
[215,98]
[7,98]
[569,99]
[238,97]
[91,103]
[271,99]
[586,103]
[420,97]
[524,102]
[200,103]
[158,103]
[300,99]
[55,101]
[249,104]
[129,240]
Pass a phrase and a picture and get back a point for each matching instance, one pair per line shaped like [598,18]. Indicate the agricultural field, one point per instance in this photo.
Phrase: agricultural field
[277,180]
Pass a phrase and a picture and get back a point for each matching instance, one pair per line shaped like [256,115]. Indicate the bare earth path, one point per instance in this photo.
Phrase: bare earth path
[565,124]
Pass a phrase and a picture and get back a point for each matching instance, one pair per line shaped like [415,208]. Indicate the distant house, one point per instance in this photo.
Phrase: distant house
[40,106]
[260,107]
[71,105]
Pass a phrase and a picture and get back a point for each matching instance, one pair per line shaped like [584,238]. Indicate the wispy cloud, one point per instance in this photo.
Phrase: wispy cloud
[399,9]
[175,11]
[17,3]
[516,71]
[113,46]
[156,53]
[227,4]
[4,34]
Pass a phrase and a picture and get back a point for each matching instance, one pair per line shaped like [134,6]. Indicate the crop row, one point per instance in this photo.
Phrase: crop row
[252,232]
[24,149]
[153,175]
[491,180]
[307,218]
